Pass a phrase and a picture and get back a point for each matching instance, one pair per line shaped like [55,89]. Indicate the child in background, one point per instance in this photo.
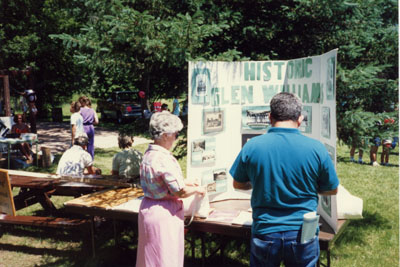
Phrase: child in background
[76,121]
[387,145]
[175,109]
[360,154]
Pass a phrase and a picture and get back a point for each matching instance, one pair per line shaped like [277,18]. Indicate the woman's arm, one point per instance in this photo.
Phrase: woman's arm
[187,191]
[73,132]
[96,119]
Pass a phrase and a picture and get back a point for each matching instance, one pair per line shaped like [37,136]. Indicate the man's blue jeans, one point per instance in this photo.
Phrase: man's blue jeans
[271,249]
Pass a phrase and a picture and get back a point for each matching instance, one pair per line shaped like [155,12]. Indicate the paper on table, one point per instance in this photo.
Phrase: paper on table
[230,195]
[226,216]
[244,218]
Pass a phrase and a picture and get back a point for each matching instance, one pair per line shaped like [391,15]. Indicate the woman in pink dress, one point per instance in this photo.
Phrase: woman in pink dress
[161,227]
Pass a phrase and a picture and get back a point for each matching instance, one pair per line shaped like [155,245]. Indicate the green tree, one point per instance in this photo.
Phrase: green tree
[126,48]
[101,46]
[24,41]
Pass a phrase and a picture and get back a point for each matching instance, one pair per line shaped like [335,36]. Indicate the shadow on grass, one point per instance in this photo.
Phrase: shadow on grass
[42,233]
[342,159]
[235,251]
[355,231]
[123,254]
[40,251]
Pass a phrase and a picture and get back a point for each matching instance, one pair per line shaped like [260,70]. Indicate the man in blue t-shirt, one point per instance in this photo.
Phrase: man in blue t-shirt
[287,171]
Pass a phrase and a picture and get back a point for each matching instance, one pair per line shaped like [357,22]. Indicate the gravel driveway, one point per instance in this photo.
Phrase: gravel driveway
[57,136]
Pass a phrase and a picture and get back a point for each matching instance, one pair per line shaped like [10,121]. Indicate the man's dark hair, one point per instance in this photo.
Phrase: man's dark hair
[285,106]
[81,141]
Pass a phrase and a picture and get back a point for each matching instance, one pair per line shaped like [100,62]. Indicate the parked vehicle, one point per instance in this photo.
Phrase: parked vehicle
[121,105]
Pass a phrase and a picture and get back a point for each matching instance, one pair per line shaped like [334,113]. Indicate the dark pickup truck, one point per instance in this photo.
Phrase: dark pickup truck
[121,105]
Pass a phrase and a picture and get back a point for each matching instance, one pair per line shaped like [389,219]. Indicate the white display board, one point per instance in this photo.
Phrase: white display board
[229,104]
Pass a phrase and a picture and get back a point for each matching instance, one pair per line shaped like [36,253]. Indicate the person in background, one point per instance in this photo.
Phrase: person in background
[21,127]
[360,154]
[30,97]
[76,121]
[376,142]
[160,222]
[287,171]
[23,105]
[388,143]
[175,106]
[126,164]
[89,119]
[76,160]
[185,108]
[164,107]
[386,146]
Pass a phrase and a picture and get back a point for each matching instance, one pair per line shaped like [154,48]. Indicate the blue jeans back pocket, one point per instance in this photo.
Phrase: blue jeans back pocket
[260,249]
[307,253]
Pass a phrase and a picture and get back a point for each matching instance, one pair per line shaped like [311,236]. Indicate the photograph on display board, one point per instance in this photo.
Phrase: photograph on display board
[213,121]
[203,151]
[326,122]
[326,205]
[306,125]
[331,151]
[247,137]
[215,181]
[255,119]
[330,78]
[201,86]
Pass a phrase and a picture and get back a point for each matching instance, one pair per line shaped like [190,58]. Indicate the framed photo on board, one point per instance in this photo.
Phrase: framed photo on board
[213,121]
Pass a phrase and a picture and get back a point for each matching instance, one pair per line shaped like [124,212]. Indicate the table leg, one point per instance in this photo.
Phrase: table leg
[37,156]
[192,244]
[203,250]
[115,232]
[46,203]
[9,155]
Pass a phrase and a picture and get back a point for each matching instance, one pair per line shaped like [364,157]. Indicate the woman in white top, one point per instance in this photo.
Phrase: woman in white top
[76,121]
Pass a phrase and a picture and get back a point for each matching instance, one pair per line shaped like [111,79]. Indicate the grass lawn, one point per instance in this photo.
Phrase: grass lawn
[371,241]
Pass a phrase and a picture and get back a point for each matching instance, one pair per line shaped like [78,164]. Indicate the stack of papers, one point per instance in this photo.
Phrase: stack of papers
[244,218]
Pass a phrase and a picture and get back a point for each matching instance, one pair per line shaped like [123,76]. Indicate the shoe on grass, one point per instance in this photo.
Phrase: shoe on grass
[375,164]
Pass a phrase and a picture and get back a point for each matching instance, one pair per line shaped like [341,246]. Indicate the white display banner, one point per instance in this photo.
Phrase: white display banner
[229,104]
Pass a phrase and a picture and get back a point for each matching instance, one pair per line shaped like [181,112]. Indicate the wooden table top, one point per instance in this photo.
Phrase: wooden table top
[205,225]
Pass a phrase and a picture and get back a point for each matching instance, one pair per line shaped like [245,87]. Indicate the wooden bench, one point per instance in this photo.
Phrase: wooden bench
[8,216]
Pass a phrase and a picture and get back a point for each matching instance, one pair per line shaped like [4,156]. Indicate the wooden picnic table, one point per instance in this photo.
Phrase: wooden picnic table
[39,187]
[33,190]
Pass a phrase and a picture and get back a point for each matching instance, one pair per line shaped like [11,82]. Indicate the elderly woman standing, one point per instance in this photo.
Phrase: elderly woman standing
[161,227]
